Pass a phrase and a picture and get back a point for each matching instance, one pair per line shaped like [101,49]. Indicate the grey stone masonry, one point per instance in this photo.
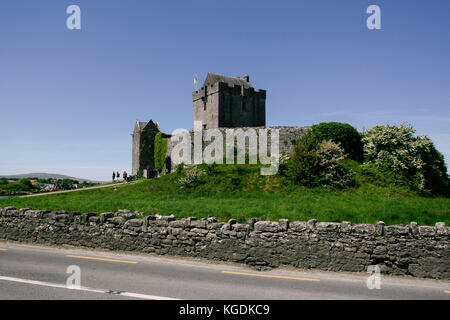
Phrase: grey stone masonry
[287,135]
[229,102]
[419,251]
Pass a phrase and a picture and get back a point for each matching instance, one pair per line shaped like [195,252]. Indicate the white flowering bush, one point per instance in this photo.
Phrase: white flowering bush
[397,149]
[333,173]
[192,178]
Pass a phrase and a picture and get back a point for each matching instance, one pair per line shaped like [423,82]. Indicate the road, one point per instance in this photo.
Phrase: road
[38,272]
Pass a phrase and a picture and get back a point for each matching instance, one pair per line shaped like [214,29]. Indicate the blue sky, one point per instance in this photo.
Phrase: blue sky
[69,98]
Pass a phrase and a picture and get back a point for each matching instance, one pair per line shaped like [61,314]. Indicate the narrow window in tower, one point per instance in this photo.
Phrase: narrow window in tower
[204,104]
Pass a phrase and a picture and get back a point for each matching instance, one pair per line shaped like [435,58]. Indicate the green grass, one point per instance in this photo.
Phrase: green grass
[240,192]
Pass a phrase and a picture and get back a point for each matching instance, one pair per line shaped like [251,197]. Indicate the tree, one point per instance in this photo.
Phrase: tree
[26,183]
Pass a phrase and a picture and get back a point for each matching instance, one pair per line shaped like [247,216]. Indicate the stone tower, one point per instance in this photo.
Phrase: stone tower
[229,102]
[143,163]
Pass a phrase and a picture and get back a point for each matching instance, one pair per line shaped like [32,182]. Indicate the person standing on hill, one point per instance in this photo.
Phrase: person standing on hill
[114,176]
[118,176]
[125,175]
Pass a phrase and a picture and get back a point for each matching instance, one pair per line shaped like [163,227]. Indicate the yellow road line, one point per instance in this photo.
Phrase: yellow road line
[270,276]
[447,291]
[101,259]
[3,249]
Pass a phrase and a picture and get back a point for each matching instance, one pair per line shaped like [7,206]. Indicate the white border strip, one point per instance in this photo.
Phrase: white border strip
[62,286]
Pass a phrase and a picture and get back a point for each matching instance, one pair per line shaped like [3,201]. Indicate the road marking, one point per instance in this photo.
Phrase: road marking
[62,286]
[447,291]
[3,249]
[101,259]
[270,276]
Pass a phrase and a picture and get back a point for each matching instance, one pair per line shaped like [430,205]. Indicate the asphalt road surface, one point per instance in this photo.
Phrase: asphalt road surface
[37,272]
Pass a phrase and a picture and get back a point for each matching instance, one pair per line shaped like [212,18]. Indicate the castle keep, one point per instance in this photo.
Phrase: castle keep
[222,102]
[228,102]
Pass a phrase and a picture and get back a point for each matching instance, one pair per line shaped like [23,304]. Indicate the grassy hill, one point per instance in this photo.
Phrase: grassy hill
[240,192]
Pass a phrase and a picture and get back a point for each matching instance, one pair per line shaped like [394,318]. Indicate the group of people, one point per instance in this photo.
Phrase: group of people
[116,177]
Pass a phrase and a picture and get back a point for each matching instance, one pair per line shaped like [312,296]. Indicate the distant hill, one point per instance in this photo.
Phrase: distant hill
[46,176]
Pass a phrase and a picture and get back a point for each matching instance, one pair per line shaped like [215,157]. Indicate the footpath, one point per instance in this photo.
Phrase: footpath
[75,190]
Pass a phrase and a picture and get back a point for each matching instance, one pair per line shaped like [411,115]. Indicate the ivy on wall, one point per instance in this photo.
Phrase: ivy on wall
[161,140]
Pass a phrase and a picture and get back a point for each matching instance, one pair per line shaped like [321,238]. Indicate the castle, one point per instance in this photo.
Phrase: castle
[222,102]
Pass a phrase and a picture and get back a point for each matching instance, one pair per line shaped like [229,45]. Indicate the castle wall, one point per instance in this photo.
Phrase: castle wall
[286,135]
[143,149]
[136,137]
[206,108]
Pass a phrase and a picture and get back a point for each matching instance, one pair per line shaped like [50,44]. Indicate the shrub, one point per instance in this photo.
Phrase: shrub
[283,164]
[314,164]
[304,165]
[241,170]
[179,168]
[414,158]
[192,178]
[344,134]
[12,186]
[3,181]
[236,181]
[22,185]
[211,169]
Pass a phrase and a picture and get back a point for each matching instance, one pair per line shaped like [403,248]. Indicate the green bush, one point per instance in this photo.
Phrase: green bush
[210,169]
[22,185]
[343,134]
[12,186]
[236,181]
[303,167]
[3,181]
[179,168]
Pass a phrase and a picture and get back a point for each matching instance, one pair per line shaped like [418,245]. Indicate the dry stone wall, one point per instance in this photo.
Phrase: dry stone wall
[420,251]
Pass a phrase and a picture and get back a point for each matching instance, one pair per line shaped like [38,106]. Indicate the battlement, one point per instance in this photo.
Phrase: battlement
[225,87]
